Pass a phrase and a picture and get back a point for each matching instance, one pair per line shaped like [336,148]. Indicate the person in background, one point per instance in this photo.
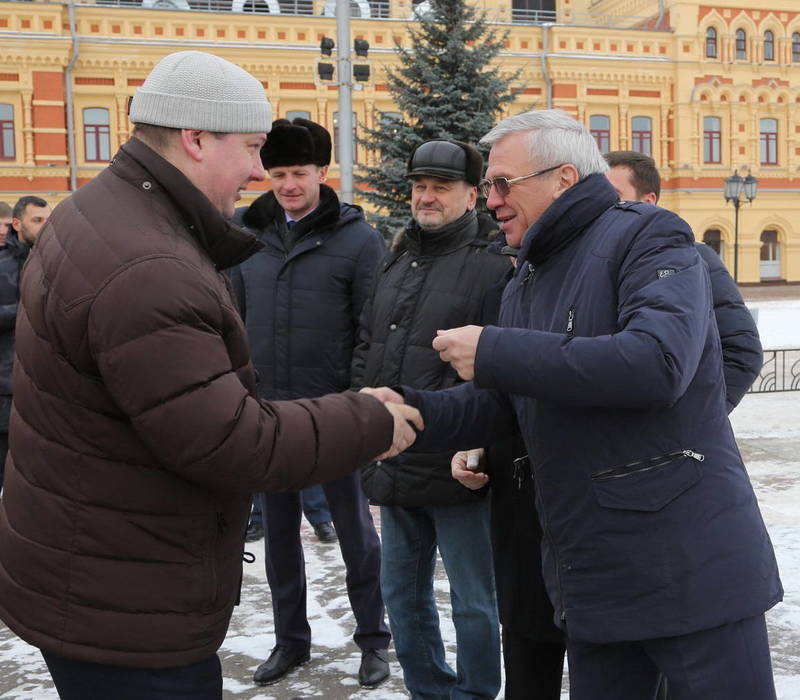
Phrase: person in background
[5,221]
[25,222]
[300,297]
[438,273]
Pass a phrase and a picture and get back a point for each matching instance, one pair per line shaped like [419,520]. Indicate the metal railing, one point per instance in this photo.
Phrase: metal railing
[780,372]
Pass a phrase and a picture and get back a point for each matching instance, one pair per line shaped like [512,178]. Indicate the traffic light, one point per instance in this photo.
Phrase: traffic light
[326,46]
[361,47]
[361,72]
[325,71]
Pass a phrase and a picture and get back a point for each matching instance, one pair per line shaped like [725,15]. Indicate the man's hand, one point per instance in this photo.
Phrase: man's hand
[458,347]
[384,394]
[404,435]
[463,467]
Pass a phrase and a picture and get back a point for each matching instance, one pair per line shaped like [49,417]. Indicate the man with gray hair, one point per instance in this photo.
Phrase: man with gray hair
[655,554]
[136,434]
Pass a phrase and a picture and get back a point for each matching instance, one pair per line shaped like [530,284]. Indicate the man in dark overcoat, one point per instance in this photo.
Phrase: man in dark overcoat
[300,297]
[655,554]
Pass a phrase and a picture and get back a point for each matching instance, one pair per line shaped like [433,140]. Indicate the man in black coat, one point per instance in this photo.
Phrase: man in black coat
[27,219]
[438,274]
[300,297]
[636,179]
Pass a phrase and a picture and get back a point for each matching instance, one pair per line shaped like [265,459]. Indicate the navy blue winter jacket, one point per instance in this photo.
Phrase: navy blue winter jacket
[608,355]
[301,307]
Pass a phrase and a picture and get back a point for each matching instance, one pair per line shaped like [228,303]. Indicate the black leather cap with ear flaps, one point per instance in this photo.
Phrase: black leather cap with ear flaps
[446,159]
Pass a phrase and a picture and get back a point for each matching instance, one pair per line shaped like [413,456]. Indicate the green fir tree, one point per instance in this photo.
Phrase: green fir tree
[445,87]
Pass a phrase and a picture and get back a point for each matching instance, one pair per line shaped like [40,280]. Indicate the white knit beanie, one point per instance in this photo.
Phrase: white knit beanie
[196,90]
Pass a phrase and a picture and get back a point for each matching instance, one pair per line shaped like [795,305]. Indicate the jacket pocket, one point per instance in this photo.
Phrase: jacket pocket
[650,484]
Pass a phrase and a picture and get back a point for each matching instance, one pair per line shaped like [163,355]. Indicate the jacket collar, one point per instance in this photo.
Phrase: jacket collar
[265,213]
[567,218]
[224,243]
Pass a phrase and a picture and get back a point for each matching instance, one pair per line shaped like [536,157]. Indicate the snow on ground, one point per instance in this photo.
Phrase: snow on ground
[768,430]
[778,322]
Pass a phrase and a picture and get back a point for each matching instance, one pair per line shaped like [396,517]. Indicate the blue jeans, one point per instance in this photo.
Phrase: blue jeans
[315,506]
[410,537]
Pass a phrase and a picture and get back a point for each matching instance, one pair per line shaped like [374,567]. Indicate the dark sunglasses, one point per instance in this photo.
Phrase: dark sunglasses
[503,184]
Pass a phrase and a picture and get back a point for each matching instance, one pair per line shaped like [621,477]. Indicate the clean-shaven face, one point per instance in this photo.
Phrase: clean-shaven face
[232,162]
[296,187]
[528,199]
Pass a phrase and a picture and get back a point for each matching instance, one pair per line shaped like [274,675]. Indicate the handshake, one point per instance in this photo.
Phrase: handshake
[406,418]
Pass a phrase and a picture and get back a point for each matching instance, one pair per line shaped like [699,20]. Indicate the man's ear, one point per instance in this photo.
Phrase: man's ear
[567,177]
[650,198]
[473,198]
[323,172]
[192,144]
[16,224]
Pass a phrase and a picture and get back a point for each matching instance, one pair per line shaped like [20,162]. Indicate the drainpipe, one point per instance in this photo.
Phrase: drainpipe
[76,49]
[545,70]
[660,14]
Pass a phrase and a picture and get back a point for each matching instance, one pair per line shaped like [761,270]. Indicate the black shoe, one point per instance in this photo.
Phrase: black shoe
[374,668]
[255,531]
[282,660]
[325,533]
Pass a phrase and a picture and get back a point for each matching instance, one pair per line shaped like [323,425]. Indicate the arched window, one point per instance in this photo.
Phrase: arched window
[769,46]
[642,135]
[96,135]
[713,239]
[711,42]
[796,47]
[712,139]
[768,141]
[600,128]
[7,151]
[741,45]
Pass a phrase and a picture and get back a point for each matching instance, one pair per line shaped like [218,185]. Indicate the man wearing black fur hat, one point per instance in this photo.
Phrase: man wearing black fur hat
[301,297]
[438,274]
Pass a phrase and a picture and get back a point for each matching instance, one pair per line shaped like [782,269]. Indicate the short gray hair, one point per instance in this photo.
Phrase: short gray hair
[555,137]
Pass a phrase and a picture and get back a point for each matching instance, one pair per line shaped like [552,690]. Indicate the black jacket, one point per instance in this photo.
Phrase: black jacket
[301,306]
[427,282]
[741,346]
[12,258]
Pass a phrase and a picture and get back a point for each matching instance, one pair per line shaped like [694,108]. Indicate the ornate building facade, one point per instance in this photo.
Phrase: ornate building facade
[706,89]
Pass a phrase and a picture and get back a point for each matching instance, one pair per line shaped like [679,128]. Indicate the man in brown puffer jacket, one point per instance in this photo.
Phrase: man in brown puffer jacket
[136,437]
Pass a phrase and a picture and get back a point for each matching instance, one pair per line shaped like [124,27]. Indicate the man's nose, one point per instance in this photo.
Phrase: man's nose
[494,200]
[258,173]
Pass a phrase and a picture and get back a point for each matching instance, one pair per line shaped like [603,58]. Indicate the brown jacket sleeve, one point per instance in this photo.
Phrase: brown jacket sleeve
[172,356]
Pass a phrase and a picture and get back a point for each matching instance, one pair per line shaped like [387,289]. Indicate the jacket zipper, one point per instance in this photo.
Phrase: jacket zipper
[645,465]
[571,321]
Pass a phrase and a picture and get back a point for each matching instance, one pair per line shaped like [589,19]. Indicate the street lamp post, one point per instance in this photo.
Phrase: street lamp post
[735,185]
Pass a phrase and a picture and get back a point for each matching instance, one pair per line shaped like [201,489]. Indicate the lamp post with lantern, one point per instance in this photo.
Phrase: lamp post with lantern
[735,186]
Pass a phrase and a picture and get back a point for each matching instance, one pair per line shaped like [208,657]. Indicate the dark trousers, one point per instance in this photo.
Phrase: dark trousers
[81,680]
[361,551]
[533,669]
[315,506]
[731,662]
